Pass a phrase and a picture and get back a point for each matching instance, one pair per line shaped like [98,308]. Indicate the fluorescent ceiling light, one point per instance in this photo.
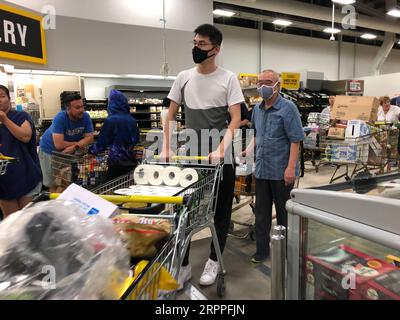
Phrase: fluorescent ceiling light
[224,13]
[330,30]
[281,22]
[394,13]
[344,1]
[368,36]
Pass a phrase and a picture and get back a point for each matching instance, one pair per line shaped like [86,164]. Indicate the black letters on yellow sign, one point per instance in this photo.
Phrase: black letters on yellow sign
[21,35]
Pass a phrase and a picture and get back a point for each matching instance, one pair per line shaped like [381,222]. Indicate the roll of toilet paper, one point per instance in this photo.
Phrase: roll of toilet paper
[156,175]
[172,176]
[142,174]
[188,176]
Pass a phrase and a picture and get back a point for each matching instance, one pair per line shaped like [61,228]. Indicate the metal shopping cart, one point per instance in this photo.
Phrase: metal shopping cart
[192,213]
[4,162]
[371,152]
[82,169]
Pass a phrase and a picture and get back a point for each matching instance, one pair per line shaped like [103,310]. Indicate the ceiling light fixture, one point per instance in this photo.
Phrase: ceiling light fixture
[344,1]
[394,13]
[368,36]
[281,22]
[224,13]
[331,30]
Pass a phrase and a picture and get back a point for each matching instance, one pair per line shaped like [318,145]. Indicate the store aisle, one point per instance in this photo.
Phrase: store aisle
[244,280]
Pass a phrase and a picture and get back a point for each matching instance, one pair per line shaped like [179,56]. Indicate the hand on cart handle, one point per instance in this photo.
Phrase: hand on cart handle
[216,157]
[165,155]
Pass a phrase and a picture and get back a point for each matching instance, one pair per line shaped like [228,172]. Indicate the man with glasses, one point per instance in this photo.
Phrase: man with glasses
[211,96]
[278,132]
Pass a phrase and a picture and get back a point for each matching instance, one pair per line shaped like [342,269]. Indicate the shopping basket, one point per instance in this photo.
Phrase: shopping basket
[4,162]
[191,216]
[85,170]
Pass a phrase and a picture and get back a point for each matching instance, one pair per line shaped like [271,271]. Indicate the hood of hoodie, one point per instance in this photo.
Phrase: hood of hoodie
[117,103]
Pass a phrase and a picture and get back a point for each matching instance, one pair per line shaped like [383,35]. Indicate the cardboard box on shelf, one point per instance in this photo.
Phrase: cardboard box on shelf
[355,108]
[336,133]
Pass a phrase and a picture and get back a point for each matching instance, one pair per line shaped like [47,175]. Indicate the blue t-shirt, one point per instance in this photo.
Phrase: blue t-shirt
[21,177]
[73,131]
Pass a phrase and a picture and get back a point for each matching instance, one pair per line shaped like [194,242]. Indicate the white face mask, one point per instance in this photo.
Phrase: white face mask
[266,92]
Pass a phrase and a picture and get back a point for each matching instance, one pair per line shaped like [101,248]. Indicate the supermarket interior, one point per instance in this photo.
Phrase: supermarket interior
[200,150]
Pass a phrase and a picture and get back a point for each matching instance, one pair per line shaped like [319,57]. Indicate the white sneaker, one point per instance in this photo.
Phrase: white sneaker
[210,273]
[185,273]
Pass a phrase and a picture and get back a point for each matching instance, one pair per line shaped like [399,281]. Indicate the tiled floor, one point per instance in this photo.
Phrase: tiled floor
[243,279]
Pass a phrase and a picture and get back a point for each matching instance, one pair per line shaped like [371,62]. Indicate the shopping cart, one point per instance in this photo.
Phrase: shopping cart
[4,162]
[370,152]
[190,216]
[82,169]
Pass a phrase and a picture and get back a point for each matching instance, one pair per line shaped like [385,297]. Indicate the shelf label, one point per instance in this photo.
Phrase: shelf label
[290,81]
[22,35]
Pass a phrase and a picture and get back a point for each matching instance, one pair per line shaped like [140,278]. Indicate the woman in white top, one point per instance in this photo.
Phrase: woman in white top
[388,112]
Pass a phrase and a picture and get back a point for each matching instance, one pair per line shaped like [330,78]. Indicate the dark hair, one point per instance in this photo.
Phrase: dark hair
[208,30]
[5,89]
[71,97]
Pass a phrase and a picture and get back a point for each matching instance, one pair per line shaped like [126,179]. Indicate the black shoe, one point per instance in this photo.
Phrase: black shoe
[258,259]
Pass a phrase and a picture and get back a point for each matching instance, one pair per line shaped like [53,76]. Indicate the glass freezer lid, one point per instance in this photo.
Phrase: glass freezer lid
[377,206]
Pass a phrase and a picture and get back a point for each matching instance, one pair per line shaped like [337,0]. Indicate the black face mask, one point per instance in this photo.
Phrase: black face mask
[200,55]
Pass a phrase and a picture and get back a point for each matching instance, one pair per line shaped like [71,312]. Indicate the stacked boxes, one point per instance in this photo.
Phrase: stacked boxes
[341,273]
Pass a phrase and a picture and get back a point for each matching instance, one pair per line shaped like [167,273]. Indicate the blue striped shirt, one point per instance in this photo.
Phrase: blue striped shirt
[275,130]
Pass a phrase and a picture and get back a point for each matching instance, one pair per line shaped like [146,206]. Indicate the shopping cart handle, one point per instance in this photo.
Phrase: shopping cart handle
[193,158]
[10,159]
[134,199]
[43,196]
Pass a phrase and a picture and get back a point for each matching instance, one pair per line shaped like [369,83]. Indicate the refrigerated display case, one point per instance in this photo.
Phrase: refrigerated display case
[344,241]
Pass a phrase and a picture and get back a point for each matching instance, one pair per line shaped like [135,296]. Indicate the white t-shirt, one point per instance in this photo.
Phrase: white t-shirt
[206,97]
[391,116]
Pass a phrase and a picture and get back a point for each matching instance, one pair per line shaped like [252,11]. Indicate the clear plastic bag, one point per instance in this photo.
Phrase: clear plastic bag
[54,251]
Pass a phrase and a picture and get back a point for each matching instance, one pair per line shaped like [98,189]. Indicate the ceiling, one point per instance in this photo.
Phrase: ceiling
[250,13]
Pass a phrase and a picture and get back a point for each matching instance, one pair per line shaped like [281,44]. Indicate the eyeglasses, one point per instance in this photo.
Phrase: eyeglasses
[266,83]
[201,44]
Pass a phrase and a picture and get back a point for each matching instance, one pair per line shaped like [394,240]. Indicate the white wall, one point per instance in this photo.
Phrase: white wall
[89,46]
[180,14]
[285,52]
[387,84]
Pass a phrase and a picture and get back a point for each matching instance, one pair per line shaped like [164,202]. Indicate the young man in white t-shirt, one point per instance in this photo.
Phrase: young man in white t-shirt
[211,97]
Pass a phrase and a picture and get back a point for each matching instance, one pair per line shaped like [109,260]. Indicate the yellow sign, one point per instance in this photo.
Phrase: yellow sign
[22,36]
[252,75]
[290,81]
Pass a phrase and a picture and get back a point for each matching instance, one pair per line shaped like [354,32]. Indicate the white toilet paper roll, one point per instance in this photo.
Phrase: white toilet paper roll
[188,176]
[142,174]
[171,176]
[156,175]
